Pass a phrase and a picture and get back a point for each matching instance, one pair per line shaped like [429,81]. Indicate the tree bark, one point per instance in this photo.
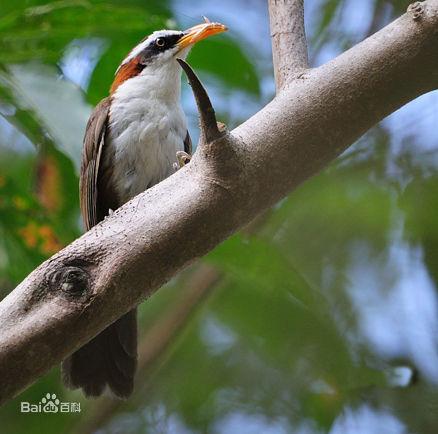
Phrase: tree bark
[289,45]
[232,177]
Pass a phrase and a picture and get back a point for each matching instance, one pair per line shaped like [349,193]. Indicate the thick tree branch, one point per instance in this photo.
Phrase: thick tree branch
[289,45]
[123,260]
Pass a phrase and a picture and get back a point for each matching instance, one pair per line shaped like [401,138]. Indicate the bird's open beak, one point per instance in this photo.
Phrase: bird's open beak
[199,32]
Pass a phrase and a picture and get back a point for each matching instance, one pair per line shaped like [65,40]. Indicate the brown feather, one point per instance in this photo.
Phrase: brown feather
[111,357]
[94,141]
[188,144]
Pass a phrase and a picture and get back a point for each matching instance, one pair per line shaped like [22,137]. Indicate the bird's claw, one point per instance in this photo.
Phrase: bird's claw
[221,127]
[182,159]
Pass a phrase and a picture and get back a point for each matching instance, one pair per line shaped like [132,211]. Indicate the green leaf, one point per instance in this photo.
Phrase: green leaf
[58,105]
[225,60]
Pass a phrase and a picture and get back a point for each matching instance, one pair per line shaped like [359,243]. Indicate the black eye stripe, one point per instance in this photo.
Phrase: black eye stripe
[159,45]
[167,41]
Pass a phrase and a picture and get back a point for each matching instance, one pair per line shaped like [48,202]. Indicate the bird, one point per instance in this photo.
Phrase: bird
[131,143]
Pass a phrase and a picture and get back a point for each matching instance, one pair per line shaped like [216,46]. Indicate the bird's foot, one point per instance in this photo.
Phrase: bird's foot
[182,159]
[221,127]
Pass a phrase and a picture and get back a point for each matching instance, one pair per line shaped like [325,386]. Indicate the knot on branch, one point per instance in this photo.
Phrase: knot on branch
[416,10]
[71,280]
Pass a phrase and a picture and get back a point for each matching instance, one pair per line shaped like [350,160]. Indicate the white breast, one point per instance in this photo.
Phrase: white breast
[147,128]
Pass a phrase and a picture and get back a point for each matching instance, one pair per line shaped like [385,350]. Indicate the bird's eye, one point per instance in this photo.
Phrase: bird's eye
[160,42]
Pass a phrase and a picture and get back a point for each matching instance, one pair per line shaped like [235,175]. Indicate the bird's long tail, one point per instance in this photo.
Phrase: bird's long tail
[108,359]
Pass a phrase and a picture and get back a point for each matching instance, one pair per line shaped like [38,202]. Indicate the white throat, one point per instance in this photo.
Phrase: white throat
[162,81]
[147,128]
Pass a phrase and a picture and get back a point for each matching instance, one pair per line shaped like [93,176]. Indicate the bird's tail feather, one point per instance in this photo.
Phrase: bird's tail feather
[108,359]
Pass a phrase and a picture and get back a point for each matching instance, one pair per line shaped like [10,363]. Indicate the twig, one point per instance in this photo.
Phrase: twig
[289,45]
[208,124]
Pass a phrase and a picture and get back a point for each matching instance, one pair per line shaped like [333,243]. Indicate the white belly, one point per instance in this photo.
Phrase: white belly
[145,136]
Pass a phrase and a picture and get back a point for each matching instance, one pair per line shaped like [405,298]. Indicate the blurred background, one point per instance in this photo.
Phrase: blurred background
[319,317]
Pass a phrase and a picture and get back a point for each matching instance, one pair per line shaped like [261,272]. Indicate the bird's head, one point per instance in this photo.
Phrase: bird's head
[156,54]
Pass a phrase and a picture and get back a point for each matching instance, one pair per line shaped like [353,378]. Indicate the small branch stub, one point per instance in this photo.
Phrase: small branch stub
[416,10]
[208,124]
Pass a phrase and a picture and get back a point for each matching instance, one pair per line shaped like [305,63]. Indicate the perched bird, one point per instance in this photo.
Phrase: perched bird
[130,144]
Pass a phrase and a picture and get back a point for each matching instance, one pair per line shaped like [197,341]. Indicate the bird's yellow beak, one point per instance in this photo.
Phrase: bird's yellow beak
[200,32]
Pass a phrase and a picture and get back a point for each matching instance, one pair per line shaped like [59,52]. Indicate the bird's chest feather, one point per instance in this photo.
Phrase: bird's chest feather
[144,136]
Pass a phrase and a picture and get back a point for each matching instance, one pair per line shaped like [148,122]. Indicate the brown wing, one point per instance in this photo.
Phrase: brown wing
[188,144]
[111,357]
[94,141]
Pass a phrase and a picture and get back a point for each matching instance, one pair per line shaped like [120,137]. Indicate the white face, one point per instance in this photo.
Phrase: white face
[160,73]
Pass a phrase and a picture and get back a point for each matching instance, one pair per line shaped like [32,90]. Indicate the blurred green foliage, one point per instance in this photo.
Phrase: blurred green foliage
[321,304]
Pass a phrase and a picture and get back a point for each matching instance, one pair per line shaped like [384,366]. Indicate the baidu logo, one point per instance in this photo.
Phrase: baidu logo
[50,404]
